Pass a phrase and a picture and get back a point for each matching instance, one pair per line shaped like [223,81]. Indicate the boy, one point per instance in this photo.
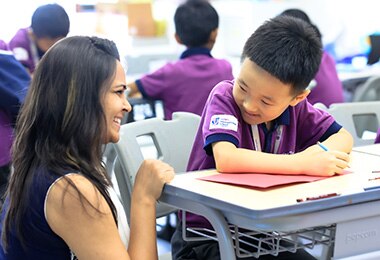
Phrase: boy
[185,85]
[261,122]
[50,23]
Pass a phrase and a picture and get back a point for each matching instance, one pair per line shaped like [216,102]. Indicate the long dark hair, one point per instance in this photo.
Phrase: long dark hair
[61,125]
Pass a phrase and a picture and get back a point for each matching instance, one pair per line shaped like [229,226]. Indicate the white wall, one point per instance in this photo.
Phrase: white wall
[345,22]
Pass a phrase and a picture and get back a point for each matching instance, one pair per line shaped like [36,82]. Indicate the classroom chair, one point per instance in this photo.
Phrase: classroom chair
[368,91]
[356,118]
[168,140]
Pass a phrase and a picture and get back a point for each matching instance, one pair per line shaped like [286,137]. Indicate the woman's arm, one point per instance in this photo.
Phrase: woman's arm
[147,189]
[87,227]
[91,231]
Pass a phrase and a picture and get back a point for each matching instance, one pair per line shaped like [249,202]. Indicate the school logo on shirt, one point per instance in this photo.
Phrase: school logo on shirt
[227,122]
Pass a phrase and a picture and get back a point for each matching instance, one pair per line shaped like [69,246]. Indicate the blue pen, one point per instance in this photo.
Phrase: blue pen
[322,146]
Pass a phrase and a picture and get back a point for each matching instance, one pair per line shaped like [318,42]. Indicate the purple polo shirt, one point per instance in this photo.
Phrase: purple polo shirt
[184,85]
[6,138]
[329,88]
[24,49]
[3,45]
[302,126]
[377,140]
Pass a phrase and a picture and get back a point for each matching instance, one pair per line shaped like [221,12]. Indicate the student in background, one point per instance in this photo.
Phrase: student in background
[377,140]
[59,202]
[185,85]
[50,23]
[3,45]
[329,88]
[14,81]
[262,122]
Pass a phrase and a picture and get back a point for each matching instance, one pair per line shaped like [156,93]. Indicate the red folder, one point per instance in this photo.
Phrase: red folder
[259,180]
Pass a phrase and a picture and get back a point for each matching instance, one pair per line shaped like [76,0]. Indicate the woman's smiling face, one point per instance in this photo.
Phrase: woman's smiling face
[116,104]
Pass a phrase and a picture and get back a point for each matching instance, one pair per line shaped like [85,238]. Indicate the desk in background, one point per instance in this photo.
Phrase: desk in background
[352,78]
[373,149]
[355,215]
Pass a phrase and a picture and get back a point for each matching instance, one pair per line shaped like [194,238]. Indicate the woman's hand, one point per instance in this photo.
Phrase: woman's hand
[150,179]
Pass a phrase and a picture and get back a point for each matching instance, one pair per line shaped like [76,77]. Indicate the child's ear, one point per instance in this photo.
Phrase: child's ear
[301,96]
[177,38]
[213,35]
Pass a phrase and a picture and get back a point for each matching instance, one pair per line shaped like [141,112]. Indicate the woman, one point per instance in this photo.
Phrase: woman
[59,203]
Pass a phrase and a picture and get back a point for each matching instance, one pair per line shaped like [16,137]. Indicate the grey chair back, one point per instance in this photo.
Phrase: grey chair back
[168,140]
[356,117]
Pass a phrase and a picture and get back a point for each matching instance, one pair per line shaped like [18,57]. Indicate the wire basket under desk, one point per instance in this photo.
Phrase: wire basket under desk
[254,243]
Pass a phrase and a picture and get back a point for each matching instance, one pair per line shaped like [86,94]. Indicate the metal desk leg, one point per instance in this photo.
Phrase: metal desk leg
[216,219]
[220,226]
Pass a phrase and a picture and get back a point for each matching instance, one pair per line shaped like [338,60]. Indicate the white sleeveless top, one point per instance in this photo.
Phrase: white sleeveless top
[122,224]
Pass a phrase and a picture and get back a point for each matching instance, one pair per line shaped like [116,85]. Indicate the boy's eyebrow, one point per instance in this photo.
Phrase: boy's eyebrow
[242,82]
[245,85]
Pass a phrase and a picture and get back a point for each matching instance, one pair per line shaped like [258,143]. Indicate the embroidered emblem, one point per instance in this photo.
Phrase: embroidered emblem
[227,122]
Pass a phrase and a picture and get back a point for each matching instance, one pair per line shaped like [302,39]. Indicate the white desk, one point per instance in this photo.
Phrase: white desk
[356,212]
[346,72]
[353,78]
[373,149]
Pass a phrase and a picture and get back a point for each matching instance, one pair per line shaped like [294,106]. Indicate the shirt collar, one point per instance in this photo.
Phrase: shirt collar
[195,51]
[283,119]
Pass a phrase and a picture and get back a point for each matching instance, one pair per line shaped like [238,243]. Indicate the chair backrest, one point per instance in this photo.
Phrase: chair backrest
[356,117]
[170,141]
[368,91]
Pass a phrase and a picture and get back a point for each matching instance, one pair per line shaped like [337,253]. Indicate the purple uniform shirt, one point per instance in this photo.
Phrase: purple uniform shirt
[6,138]
[3,45]
[329,88]
[184,85]
[24,49]
[377,140]
[302,126]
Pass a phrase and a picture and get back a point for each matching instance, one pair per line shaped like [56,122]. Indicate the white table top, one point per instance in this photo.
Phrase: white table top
[284,195]
[240,204]
[373,149]
[346,72]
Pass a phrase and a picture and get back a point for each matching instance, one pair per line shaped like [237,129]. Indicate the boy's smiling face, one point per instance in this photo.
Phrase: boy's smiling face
[260,96]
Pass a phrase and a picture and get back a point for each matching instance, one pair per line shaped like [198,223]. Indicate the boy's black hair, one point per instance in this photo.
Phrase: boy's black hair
[194,21]
[50,21]
[287,48]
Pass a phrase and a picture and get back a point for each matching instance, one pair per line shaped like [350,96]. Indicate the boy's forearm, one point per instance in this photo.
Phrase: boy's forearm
[312,161]
[341,141]
[245,160]
[133,90]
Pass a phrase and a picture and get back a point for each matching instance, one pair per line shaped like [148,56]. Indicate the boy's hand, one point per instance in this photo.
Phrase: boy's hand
[315,161]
